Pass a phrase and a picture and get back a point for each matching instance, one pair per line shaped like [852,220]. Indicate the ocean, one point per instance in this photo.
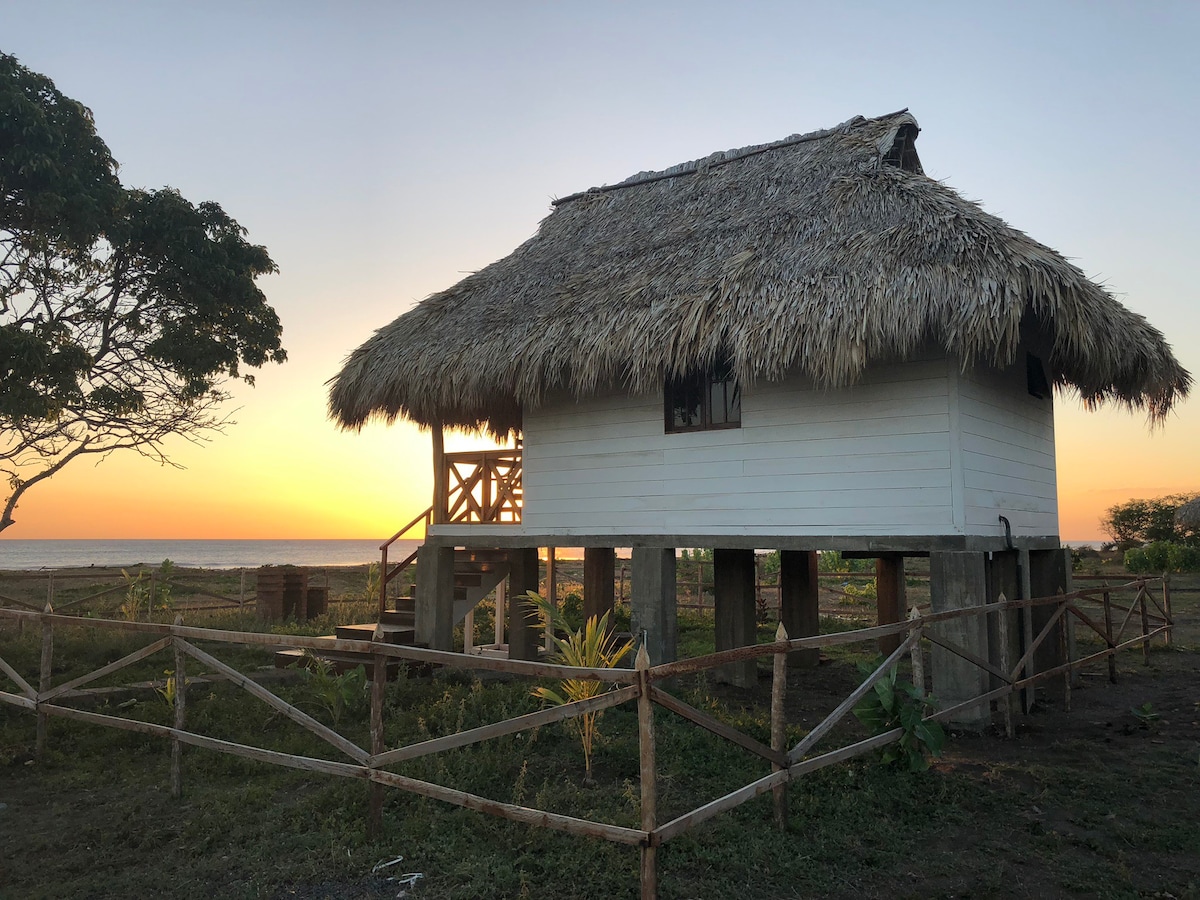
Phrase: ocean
[61,554]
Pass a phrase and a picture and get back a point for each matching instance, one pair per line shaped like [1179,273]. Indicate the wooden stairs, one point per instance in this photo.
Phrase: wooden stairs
[476,574]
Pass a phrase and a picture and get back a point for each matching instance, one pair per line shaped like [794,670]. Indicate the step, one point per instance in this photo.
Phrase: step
[391,633]
[399,617]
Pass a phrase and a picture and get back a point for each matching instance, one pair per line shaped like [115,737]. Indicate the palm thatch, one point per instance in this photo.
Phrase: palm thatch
[818,254]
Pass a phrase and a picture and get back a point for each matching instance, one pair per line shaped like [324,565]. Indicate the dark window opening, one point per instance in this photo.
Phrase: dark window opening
[703,400]
[1035,377]
[903,152]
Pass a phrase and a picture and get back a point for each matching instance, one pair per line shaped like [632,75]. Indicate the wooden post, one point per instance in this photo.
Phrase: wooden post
[599,564]
[551,594]
[1005,662]
[779,726]
[469,631]
[150,597]
[44,674]
[501,592]
[1108,637]
[378,685]
[890,599]
[649,783]
[180,676]
[1167,639]
[441,481]
[242,593]
[916,654]
[1145,625]
[799,602]
[1064,649]
[621,590]
[758,601]
[699,582]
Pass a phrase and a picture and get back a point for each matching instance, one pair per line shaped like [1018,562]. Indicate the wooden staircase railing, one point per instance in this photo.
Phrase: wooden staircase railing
[386,576]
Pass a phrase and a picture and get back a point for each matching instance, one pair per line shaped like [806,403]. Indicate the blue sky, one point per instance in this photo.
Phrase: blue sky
[382,150]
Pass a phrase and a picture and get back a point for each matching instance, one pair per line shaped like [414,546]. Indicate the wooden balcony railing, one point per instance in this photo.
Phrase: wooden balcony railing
[482,487]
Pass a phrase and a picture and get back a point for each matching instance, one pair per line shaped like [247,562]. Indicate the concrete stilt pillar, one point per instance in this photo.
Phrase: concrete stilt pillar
[798,602]
[1049,573]
[434,602]
[891,598]
[734,613]
[523,629]
[652,601]
[958,580]
[599,570]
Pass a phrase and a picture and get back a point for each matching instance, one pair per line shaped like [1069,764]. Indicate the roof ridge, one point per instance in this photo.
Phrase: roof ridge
[722,157]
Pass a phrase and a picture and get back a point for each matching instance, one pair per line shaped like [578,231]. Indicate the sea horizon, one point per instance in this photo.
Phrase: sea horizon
[26,554]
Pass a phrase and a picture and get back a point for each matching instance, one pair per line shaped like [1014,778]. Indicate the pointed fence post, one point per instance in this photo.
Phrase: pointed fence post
[45,672]
[378,686]
[180,676]
[649,868]
[779,725]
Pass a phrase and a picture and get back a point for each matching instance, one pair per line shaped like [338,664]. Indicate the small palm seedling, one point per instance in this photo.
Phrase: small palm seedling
[899,704]
[591,647]
[1146,715]
[335,694]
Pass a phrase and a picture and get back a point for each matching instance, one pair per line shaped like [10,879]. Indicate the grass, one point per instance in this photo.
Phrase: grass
[1086,804]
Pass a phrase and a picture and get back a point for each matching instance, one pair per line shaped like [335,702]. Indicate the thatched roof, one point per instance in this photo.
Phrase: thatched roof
[819,253]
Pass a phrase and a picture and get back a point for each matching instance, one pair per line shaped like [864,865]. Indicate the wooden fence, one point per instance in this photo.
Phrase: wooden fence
[643,685]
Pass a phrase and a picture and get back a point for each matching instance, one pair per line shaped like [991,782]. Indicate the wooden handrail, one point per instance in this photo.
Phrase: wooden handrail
[384,575]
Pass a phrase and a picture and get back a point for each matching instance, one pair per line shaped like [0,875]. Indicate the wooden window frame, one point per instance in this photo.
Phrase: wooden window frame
[701,382]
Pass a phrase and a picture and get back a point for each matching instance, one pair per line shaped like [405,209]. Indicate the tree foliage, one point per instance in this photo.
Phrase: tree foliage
[1139,522]
[123,312]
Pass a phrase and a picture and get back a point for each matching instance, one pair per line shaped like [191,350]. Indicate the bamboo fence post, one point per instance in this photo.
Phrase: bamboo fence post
[180,676]
[1064,649]
[1145,625]
[649,861]
[1108,634]
[779,726]
[1166,595]
[1005,662]
[378,685]
[45,672]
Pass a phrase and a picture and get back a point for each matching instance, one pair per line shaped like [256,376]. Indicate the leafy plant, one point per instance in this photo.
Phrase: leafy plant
[169,691]
[593,647]
[137,595]
[335,694]
[900,704]
[1146,714]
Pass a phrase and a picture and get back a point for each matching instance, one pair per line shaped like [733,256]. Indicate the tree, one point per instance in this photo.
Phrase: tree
[1138,522]
[122,312]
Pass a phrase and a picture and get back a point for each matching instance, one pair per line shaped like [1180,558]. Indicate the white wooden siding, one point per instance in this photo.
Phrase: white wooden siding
[874,459]
[1007,439]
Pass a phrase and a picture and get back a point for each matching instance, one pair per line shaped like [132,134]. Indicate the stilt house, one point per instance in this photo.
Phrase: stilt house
[801,345]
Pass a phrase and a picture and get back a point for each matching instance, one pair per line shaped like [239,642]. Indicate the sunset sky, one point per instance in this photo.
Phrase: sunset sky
[380,151]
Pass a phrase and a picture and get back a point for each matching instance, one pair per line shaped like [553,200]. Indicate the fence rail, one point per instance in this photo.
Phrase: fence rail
[644,685]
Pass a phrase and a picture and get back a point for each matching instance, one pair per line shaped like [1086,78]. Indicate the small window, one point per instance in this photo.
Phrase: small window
[1035,377]
[703,400]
